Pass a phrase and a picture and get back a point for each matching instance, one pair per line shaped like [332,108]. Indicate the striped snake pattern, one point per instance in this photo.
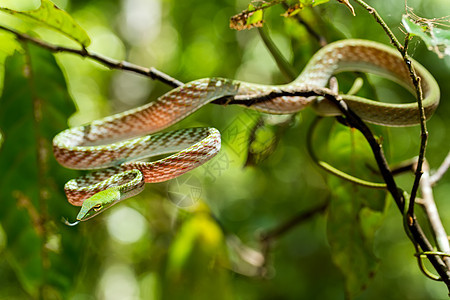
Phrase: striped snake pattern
[117,146]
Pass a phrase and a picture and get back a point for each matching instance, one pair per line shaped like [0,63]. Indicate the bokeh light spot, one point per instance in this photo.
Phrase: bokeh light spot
[119,282]
[126,225]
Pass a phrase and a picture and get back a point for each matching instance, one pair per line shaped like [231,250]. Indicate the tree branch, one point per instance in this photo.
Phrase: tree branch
[433,215]
[354,121]
[419,95]
[106,61]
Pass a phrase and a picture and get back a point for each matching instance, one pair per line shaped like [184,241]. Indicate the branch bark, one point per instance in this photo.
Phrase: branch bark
[354,121]
[106,61]
[419,95]
[432,212]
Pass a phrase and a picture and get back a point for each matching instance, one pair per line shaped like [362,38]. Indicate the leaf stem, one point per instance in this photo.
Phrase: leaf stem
[329,168]
[284,66]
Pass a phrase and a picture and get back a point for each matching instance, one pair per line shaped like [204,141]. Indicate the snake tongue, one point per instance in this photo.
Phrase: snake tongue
[66,222]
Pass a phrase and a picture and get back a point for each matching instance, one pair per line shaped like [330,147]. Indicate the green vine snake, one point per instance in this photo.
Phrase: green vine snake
[117,146]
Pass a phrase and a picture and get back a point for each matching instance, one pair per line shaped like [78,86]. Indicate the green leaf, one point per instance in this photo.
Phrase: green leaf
[255,18]
[196,259]
[48,14]
[441,38]
[34,107]
[355,212]
[416,29]
[309,3]
[318,2]
[252,16]
[351,252]
[350,152]
[436,39]
[8,44]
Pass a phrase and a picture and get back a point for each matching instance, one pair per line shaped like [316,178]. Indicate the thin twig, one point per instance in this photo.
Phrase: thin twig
[354,121]
[419,95]
[383,24]
[329,168]
[433,215]
[423,127]
[106,61]
[437,262]
[283,228]
[441,171]
[267,238]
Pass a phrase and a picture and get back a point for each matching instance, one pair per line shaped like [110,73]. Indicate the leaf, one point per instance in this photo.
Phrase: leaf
[247,19]
[292,11]
[436,39]
[255,19]
[349,152]
[312,2]
[416,29]
[196,259]
[355,213]
[296,8]
[35,106]
[252,16]
[48,14]
[8,44]
[318,2]
[351,252]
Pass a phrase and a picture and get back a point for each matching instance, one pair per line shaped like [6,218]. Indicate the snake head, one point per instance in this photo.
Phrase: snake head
[98,203]
[125,185]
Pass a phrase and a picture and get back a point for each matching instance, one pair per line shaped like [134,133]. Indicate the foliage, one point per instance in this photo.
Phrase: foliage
[50,15]
[436,39]
[150,248]
[354,215]
[34,107]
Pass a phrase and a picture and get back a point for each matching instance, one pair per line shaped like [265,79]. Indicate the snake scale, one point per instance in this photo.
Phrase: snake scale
[117,146]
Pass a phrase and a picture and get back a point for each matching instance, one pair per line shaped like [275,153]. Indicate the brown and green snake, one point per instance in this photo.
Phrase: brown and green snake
[118,145]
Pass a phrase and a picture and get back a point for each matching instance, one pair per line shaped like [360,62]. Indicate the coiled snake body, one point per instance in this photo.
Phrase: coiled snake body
[118,143]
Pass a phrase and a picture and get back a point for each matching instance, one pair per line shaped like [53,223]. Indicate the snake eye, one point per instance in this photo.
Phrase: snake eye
[97,207]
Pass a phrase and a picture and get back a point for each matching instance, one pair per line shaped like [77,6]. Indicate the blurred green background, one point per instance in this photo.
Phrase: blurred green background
[198,237]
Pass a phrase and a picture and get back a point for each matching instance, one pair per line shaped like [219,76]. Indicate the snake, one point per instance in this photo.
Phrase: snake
[119,148]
